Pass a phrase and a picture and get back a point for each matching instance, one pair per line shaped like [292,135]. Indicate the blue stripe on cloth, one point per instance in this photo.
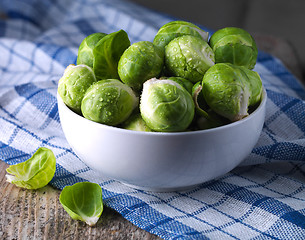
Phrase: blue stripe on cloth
[14,53]
[40,13]
[234,220]
[283,230]
[143,215]
[20,15]
[84,26]
[40,98]
[281,72]
[291,83]
[193,215]
[64,178]
[293,108]
[11,155]
[243,194]
[2,28]
[282,151]
[33,135]
[296,218]
[62,55]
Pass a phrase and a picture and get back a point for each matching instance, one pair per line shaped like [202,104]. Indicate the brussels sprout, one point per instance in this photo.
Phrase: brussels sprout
[73,85]
[227,89]
[188,57]
[255,86]
[85,50]
[83,201]
[109,102]
[35,172]
[176,29]
[107,54]
[188,85]
[206,117]
[214,121]
[166,106]
[135,122]
[140,62]
[234,45]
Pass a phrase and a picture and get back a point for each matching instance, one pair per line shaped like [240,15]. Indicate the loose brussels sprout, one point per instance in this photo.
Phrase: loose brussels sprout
[85,50]
[188,85]
[166,106]
[188,57]
[227,89]
[35,172]
[234,45]
[73,85]
[140,62]
[176,29]
[83,201]
[135,122]
[109,102]
[107,54]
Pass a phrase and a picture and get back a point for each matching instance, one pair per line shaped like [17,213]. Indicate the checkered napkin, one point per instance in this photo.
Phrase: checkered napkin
[264,198]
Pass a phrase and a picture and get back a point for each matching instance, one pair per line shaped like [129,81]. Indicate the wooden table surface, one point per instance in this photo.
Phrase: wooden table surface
[38,214]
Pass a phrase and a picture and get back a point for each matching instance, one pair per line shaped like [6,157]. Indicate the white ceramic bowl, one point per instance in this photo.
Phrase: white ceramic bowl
[161,161]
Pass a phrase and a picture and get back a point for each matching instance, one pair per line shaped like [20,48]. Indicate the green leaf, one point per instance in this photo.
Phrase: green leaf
[107,54]
[175,29]
[85,50]
[35,172]
[83,201]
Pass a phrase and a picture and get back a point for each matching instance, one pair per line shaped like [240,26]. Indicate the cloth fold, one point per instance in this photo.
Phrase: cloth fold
[263,198]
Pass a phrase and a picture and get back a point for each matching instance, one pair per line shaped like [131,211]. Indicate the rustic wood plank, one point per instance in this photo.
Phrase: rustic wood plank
[38,214]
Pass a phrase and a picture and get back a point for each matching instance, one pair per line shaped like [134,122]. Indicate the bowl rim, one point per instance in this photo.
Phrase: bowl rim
[133,132]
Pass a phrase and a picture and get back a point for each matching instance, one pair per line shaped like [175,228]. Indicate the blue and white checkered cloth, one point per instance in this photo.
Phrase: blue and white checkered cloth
[264,198]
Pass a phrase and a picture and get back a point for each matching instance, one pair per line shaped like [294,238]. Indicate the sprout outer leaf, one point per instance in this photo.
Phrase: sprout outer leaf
[208,118]
[107,54]
[35,172]
[188,85]
[175,29]
[83,201]
[85,50]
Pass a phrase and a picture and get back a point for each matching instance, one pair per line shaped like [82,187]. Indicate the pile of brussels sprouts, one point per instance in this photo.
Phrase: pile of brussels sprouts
[182,81]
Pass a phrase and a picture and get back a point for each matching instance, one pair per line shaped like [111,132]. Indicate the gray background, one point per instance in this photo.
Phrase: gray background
[280,18]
